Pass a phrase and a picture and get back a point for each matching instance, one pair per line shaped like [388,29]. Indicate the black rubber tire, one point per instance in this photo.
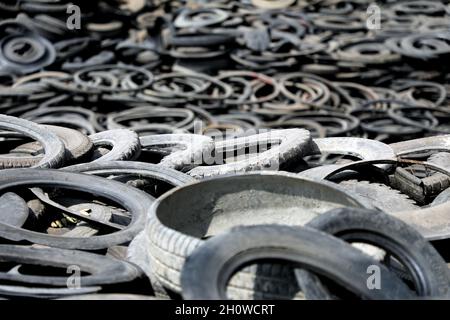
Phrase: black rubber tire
[102,270]
[146,170]
[136,253]
[428,269]
[83,229]
[293,143]
[207,271]
[125,144]
[53,147]
[78,145]
[180,219]
[193,147]
[133,200]
[69,121]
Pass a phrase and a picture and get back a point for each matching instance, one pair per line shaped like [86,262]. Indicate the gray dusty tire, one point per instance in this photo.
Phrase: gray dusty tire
[193,147]
[54,150]
[383,197]
[133,200]
[208,269]
[426,267]
[293,143]
[173,234]
[125,144]
[78,145]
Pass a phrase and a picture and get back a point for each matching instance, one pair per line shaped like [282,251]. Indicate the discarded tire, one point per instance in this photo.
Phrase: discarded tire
[182,217]
[150,129]
[429,272]
[220,257]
